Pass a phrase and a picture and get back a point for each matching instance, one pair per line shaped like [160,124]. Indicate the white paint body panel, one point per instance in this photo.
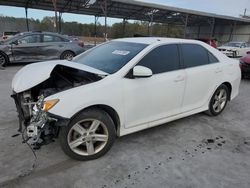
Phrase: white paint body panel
[146,102]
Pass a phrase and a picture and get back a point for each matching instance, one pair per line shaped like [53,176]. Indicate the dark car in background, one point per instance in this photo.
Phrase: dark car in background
[32,47]
[245,65]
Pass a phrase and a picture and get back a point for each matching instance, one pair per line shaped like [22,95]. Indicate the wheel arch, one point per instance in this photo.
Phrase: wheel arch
[109,110]
[229,86]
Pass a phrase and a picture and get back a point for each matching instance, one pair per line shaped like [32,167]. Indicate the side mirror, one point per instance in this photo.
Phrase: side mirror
[141,72]
[248,52]
[14,42]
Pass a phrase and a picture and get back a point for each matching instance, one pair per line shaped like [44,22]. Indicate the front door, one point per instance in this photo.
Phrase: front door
[159,96]
[26,48]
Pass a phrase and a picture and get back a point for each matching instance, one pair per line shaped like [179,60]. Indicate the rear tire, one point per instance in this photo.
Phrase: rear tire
[218,101]
[67,55]
[89,135]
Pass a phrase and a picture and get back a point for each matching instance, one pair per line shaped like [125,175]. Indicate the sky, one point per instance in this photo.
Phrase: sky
[223,7]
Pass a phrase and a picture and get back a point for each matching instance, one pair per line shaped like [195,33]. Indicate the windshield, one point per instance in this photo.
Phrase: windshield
[110,57]
[233,44]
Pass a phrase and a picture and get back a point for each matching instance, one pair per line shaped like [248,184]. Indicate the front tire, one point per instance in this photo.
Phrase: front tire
[218,101]
[3,60]
[88,136]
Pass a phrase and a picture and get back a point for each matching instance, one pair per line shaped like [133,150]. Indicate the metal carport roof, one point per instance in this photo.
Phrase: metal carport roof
[131,10]
[126,9]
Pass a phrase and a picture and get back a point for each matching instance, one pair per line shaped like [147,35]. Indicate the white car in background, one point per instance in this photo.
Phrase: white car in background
[235,49]
[120,87]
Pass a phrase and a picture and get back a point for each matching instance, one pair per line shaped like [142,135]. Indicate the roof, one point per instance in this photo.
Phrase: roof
[127,9]
[151,40]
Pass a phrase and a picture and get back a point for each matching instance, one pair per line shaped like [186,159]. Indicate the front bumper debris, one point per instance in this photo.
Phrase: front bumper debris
[41,127]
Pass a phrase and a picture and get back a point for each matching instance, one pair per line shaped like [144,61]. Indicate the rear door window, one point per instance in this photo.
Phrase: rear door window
[162,59]
[51,38]
[194,55]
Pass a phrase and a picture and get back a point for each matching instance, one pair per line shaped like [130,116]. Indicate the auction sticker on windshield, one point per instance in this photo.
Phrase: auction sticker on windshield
[121,52]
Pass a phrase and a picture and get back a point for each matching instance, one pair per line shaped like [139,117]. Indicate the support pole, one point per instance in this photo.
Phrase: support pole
[212,28]
[185,27]
[123,27]
[96,19]
[60,22]
[233,27]
[106,30]
[26,16]
[56,17]
[151,24]
[148,28]
[105,12]
[199,31]
[168,30]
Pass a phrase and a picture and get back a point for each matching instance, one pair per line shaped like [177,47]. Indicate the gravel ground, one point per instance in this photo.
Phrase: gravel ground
[198,151]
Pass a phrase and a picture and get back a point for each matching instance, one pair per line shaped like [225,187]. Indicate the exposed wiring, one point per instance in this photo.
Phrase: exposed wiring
[27,173]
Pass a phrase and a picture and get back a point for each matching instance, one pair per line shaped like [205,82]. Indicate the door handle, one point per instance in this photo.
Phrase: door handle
[179,78]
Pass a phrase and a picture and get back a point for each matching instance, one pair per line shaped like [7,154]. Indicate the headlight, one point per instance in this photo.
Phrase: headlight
[47,105]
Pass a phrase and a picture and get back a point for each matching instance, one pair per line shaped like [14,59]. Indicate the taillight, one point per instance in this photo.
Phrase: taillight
[5,37]
[81,44]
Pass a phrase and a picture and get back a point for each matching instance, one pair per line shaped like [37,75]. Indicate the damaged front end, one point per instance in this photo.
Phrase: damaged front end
[37,125]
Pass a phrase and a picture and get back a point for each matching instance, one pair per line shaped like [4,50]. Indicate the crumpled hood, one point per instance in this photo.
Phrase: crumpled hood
[227,47]
[33,74]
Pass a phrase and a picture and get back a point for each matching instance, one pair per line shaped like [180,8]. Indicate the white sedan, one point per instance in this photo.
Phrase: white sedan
[235,49]
[120,87]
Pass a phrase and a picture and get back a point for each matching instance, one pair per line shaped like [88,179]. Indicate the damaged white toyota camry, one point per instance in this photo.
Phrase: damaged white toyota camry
[120,87]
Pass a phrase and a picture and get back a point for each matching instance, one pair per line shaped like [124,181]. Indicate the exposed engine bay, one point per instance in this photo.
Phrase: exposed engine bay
[35,122]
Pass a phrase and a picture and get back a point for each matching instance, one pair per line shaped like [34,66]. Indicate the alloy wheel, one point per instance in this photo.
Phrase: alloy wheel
[68,56]
[87,137]
[220,100]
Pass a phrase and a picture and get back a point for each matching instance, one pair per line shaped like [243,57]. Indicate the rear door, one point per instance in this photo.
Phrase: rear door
[159,96]
[203,72]
[52,46]
[26,48]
